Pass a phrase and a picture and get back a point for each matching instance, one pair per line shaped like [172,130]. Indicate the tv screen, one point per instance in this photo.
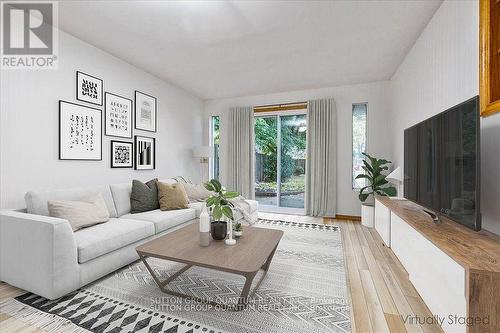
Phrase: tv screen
[441,164]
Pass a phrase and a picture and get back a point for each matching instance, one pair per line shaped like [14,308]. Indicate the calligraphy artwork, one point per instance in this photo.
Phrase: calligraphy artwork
[80,132]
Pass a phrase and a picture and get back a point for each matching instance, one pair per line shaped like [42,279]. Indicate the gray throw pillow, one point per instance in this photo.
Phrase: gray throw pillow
[144,197]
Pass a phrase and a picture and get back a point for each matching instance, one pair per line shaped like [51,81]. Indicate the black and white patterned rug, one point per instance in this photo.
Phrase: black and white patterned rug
[304,291]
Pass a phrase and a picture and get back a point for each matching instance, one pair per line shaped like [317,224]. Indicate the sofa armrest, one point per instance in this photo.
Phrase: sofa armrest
[38,253]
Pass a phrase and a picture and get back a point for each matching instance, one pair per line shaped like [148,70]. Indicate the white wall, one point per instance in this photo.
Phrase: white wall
[375,94]
[441,70]
[29,124]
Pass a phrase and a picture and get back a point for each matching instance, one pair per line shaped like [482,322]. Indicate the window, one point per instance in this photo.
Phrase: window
[358,143]
[214,142]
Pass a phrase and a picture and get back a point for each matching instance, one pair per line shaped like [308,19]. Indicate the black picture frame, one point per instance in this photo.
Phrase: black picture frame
[155,112]
[112,154]
[136,147]
[61,102]
[78,73]
[106,117]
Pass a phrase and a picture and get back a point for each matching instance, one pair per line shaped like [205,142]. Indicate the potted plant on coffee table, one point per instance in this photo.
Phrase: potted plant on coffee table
[237,230]
[375,184]
[221,207]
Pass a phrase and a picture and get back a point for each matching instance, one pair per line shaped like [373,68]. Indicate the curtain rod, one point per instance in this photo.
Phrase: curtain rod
[278,105]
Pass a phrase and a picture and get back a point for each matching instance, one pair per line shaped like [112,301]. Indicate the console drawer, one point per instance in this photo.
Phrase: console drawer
[439,280]
[383,222]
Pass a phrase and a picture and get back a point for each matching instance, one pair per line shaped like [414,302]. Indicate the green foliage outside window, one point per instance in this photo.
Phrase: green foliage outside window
[293,141]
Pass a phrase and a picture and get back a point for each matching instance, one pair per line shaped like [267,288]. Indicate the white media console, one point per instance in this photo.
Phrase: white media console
[455,270]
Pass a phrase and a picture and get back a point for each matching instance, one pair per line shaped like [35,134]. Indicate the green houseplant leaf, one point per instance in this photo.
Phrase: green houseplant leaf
[220,202]
[376,180]
[216,184]
[231,195]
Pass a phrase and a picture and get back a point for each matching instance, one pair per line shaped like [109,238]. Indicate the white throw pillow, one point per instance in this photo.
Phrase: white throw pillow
[80,214]
[196,192]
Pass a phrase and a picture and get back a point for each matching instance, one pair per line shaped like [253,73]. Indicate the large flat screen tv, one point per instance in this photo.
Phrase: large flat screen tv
[441,164]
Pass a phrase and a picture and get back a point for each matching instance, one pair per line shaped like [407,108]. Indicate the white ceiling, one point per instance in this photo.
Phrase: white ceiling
[218,49]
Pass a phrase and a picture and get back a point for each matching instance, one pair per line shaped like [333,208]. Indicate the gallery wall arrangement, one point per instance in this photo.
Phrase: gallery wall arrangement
[80,126]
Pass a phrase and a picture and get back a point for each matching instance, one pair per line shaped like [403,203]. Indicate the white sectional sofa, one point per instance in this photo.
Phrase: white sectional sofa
[43,255]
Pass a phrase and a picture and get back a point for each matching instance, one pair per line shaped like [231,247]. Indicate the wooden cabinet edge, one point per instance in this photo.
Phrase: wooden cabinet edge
[487,107]
[483,293]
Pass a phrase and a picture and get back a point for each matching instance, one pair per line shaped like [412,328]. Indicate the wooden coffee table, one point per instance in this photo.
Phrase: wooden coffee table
[252,252]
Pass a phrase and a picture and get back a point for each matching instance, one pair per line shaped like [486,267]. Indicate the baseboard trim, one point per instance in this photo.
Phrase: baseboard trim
[348,217]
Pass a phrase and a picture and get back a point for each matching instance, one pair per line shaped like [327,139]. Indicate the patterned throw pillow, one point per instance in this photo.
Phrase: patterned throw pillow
[144,196]
[80,214]
[172,196]
[195,192]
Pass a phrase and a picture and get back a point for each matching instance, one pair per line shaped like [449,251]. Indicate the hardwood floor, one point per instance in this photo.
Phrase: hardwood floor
[381,295]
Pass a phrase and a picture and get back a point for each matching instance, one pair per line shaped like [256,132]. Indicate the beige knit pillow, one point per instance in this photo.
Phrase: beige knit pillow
[172,196]
[80,214]
[196,192]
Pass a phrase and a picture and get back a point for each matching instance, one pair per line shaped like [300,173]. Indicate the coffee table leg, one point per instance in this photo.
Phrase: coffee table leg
[265,267]
[150,270]
[244,296]
[244,299]
[162,284]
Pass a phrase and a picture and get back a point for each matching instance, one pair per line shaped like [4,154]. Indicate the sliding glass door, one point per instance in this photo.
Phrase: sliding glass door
[280,156]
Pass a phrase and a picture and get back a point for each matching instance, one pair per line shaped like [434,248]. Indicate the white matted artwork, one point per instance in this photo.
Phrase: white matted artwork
[80,132]
[88,88]
[117,116]
[145,112]
[121,154]
[144,153]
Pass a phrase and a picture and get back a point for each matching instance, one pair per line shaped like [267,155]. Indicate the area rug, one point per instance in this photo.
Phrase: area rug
[304,291]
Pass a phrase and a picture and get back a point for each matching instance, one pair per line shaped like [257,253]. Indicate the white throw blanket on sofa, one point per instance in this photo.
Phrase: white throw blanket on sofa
[241,205]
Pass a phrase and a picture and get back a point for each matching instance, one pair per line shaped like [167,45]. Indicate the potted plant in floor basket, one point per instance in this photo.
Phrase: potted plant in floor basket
[221,207]
[375,184]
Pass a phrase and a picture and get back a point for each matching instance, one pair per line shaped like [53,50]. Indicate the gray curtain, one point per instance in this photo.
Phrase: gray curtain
[321,161]
[240,173]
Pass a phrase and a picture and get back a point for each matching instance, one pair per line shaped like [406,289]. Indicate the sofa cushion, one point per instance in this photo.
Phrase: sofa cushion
[121,196]
[80,214]
[196,192]
[144,196]
[172,196]
[36,201]
[100,239]
[197,206]
[164,220]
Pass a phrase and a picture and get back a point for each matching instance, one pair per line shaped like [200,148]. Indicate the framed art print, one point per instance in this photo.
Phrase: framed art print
[145,112]
[117,116]
[144,153]
[80,132]
[88,88]
[122,154]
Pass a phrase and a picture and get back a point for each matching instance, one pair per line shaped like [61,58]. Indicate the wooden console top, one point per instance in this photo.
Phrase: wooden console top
[472,250]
